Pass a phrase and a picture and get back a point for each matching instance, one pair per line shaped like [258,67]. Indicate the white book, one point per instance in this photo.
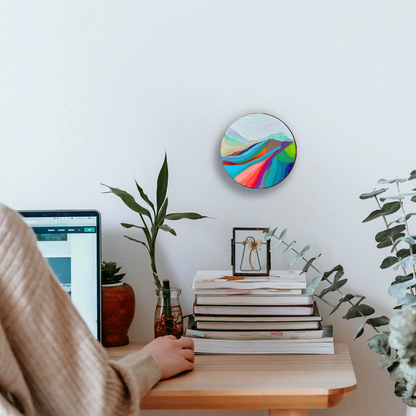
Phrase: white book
[255,300]
[323,345]
[256,335]
[223,279]
[256,326]
[242,292]
[252,310]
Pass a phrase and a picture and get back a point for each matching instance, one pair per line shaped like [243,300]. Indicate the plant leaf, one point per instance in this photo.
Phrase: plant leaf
[400,388]
[403,219]
[388,262]
[387,241]
[402,279]
[345,298]
[373,193]
[360,330]
[399,290]
[280,239]
[129,201]
[379,343]
[358,310]
[397,180]
[309,263]
[137,241]
[291,245]
[397,197]
[161,216]
[144,196]
[337,268]
[379,321]
[310,290]
[406,262]
[167,229]
[333,288]
[387,360]
[125,225]
[270,234]
[162,183]
[406,239]
[300,256]
[413,198]
[390,232]
[185,215]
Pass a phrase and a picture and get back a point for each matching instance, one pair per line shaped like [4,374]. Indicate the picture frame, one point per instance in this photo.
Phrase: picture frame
[250,252]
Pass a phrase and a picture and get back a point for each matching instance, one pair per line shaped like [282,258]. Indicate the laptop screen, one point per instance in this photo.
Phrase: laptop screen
[69,241]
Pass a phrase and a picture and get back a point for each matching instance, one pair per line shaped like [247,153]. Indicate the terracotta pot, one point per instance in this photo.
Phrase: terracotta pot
[118,311]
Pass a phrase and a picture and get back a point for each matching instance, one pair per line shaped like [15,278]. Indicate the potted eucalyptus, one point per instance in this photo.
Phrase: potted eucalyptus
[168,315]
[118,305]
[397,347]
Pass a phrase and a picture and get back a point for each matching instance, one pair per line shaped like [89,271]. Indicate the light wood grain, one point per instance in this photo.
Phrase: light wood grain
[254,382]
[292,412]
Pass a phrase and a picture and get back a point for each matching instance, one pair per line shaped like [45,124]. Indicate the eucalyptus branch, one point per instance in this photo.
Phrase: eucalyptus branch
[329,281]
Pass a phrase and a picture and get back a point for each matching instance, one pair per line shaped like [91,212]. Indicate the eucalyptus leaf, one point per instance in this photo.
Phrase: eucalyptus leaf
[144,196]
[280,239]
[290,246]
[300,256]
[409,401]
[406,239]
[333,288]
[166,228]
[400,388]
[379,343]
[397,197]
[359,310]
[386,209]
[379,321]
[337,268]
[373,193]
[390,232]
[402,219]
[270,234]
[387,360]
[397,180]
[309,263]
[406,262]
[413,198]
[185,215]
[344,299]
[310,290]
[402,279]
[387,241]
[404,252]
[388,262]
[360,330]
[129,201]
[162,183]
[396,372]
[399,290]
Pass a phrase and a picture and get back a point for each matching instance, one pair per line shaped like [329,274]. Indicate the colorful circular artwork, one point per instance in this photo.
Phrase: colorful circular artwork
[258,151]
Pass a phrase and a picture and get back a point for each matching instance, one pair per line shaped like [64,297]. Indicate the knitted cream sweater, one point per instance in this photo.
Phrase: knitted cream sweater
[49,362]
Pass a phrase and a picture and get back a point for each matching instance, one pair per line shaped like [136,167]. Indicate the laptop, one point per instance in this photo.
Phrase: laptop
[70,241]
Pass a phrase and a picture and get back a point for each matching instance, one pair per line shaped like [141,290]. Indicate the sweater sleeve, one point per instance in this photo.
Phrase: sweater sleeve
[67,372]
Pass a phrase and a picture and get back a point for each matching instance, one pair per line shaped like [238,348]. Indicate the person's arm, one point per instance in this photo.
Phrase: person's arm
[67,372]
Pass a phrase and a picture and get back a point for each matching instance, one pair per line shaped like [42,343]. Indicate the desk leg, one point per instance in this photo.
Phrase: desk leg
[291,412]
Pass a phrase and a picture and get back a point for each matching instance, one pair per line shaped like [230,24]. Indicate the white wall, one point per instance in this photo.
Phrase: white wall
[96,92]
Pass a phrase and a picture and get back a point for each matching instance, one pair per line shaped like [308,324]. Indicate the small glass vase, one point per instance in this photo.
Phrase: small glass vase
[168,313]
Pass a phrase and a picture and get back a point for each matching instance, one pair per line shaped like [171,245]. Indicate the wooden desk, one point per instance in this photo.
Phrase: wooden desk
[287,385]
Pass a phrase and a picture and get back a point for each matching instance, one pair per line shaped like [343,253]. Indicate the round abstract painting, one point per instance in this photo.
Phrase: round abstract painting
[258,151]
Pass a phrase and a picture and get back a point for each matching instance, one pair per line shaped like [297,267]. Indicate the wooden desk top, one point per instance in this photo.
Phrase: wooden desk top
[254,381]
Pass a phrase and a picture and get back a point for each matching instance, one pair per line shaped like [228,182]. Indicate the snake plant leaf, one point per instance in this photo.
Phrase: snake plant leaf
[166,228]
[310,290]
[280,239]
[137,241]
[309,263]
[406,262]
[291,245]
[390,232]
[162,183]
[397,180]
[358,310]
[333,288]
[373,193]
[406,239]
[161,216]
[388,262]
[402,279]
[379,343]
[387,360]
[400,388]
[403,219]
[379,321]
[360,330]
[269,234]
[397,197]
[300,256]
[129,200]
[144,196]
[185,215]
[399,290]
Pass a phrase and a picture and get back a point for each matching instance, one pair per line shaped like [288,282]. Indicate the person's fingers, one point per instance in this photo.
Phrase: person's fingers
[188,366]
[169,337]
[188,355]
[186,343]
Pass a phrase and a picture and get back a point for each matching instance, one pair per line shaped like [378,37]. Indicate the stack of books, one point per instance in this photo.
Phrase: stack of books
[256,315]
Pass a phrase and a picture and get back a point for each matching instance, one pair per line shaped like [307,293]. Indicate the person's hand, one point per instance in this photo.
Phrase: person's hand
[173,355]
